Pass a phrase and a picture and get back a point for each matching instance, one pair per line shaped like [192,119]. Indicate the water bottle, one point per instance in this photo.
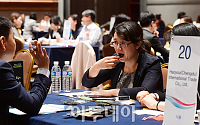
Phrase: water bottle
[71,35]
[56,78]
[67,77]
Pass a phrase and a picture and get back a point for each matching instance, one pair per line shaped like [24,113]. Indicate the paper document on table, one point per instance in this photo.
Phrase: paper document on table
[75,94]
[148,112]
[126,102]
[45,109]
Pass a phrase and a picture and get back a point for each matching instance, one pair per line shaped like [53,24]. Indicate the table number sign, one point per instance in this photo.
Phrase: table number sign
[66,32]
[182,81]
[112,21]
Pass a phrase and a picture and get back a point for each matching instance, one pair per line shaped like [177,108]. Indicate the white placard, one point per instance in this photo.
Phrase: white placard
[66,32]
[182,81]
[112,21]
[27,17]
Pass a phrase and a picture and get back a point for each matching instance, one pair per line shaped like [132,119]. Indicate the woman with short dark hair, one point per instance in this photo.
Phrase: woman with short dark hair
[131,71]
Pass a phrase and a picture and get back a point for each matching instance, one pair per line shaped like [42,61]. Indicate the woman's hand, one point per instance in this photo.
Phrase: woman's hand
[105,63]
[40,56]
[111,92]
[149,102]
[141,95]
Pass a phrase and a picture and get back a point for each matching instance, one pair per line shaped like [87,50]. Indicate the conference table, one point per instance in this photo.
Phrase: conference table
[61,53]
[120,116]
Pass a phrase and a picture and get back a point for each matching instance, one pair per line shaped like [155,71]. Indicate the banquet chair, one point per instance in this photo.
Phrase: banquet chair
[28,62]
[152,52]
[165,65]
[108,50]
[164,69]
[19,44]
[97,24]
[164,74]
[82,59]
[106,84]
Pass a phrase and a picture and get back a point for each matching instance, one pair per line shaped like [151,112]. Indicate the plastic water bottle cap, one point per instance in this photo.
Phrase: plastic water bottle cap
[55,62]
[66,62]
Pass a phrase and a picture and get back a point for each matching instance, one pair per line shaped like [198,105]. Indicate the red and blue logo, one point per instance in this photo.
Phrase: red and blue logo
[179,104]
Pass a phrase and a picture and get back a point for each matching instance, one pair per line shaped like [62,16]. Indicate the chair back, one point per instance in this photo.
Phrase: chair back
[164,69]
[97,24]
[82,59]
[108,50]
[19,44]
[164,74]
[152,52]
[165,65]
[28,62]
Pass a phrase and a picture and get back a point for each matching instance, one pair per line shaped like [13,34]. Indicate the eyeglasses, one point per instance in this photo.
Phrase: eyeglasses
[122,44]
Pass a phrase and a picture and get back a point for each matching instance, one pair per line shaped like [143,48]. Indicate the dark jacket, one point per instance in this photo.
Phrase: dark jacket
[76,32]
[60,31]
[148,76]
[156,44]
[161,94]
[14,94]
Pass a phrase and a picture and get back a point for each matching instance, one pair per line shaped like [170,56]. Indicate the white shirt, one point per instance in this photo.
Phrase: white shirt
[43,71]
[196,24]
[91,34]
[176,22]
[46,25]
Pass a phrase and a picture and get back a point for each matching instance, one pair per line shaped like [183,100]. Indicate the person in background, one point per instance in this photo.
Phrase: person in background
[90,33]
[197,22]
[167,36]
[132,71]
[160,24]
[16,19]
[21,13]
[55,32]
[118,19]
[186,19]
[75,25]
[45,23]
[180,14]
[13,93]
[167,39]
[156,100]
[30,27]
[147,21]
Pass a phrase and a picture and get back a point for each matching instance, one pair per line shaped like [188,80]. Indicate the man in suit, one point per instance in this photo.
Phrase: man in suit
[13,93]
[147,21]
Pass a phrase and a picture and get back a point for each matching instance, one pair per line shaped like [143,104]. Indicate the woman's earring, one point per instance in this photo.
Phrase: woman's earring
[4,49]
